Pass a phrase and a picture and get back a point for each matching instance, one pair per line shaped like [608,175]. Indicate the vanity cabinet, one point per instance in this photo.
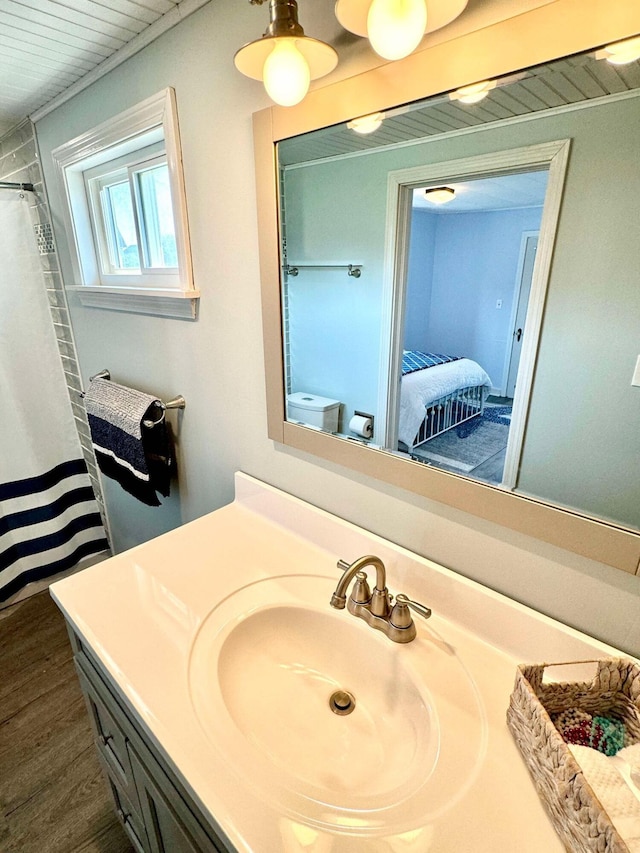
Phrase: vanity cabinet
[154,809]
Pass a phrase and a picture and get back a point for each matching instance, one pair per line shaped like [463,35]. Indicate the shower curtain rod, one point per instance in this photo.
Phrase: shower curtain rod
[8,185]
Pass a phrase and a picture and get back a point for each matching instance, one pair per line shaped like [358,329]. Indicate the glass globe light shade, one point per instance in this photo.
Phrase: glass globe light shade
[621,52]
[286,73]
[474,93]
[366,124]
[440,195]
[396,27]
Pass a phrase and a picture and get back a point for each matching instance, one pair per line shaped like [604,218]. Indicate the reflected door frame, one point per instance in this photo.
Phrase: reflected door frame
[524,277]
[400,185]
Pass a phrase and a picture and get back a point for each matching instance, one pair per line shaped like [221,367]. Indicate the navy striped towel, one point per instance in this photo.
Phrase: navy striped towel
[128,448]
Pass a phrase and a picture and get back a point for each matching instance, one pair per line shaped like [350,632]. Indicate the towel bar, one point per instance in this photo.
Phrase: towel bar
[354,270]
[175,403]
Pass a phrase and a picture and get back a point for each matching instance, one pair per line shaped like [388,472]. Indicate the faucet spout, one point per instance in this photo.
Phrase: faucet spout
[375,607]
[339,597]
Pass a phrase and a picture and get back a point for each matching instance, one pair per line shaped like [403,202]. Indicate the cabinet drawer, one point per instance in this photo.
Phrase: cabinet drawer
[109,733]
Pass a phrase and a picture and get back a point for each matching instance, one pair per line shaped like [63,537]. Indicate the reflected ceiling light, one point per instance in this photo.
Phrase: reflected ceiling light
[621,52]
[396,27]
[366,124]
[474,93]
[285,59]
[440,195]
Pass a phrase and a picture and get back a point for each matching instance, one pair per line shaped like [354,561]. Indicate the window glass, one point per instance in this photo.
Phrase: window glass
[120,226]
[132,216]
[158,234]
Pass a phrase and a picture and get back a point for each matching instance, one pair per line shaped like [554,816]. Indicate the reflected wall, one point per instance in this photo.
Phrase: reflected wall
[579,448]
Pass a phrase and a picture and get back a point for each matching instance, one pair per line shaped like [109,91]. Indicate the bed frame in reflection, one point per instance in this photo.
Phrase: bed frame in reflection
[450,411]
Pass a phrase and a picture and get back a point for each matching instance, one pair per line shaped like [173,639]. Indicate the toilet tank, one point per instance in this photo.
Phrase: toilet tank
[313,410]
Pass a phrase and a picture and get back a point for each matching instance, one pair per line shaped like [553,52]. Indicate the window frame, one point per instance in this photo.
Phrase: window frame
[125,168]
[133,136]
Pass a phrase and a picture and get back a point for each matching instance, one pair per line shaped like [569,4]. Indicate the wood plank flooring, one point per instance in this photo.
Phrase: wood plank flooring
[53,797]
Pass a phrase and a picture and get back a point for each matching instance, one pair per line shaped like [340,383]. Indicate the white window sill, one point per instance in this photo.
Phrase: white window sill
[181,304]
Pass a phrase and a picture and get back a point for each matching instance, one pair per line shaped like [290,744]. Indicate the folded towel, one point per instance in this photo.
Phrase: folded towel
[130,438]
[617,799]
[628,763]
[631,754]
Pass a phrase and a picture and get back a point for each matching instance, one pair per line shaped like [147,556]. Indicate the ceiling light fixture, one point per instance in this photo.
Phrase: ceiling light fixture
[621,52]
[474,93]
[285,59]
[396,27]
[440,195]
[366,124]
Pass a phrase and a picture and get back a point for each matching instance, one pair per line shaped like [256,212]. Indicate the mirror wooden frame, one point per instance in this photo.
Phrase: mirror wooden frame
[542,35]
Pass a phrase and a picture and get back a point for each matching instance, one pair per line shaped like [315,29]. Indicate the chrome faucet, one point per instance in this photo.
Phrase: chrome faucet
[376,608]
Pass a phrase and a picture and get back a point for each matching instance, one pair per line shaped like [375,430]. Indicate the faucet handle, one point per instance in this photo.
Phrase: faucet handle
[401,617]
[361,592]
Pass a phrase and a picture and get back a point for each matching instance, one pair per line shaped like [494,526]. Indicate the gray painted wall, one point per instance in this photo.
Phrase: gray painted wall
[217,362]
[419,279]
[474,264]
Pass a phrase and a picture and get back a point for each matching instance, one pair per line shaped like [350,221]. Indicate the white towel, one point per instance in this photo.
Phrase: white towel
[627,761]
[609,786]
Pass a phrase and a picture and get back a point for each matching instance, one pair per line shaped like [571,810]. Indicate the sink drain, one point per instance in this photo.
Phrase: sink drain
[341,702]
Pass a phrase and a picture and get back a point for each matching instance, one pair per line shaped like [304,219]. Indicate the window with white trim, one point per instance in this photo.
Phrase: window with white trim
[126,212]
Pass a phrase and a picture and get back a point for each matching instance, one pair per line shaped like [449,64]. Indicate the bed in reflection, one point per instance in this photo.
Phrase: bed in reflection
[437,393]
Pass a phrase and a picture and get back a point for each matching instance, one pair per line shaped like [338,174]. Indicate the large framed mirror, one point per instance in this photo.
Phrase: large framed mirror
[481,353]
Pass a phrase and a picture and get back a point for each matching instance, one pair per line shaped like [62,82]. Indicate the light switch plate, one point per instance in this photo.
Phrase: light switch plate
[636,374]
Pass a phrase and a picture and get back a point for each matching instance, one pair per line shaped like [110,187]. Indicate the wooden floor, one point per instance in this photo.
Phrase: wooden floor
[53,798]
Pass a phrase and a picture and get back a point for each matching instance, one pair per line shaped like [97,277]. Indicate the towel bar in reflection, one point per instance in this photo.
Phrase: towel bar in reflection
[354,270]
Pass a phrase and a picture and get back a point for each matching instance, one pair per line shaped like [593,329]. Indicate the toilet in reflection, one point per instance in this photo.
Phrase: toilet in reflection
[312,410]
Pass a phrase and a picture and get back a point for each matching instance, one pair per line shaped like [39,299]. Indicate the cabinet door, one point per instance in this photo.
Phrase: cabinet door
[127,815]
[109,729]
[170,825]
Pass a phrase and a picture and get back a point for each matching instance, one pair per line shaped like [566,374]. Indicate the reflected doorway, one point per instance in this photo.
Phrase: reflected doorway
[467,291]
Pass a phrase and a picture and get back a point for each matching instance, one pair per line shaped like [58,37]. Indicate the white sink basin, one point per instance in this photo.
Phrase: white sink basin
[263,668]
[277,671]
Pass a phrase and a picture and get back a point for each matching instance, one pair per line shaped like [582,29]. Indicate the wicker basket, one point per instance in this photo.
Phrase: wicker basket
[575,811]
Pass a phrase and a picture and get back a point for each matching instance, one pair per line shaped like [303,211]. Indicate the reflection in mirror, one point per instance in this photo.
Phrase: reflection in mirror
[468,283]
[376,287]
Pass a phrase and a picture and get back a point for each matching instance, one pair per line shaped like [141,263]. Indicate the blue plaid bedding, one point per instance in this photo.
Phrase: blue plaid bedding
[413,360]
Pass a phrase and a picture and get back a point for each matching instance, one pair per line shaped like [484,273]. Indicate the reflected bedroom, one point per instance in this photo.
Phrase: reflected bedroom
[472,251]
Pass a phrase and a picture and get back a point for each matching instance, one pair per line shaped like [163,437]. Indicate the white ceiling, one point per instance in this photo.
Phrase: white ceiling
[48,45]
[574,80]
[505,192]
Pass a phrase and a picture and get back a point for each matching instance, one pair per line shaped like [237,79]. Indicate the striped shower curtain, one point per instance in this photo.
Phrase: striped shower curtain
[49,520]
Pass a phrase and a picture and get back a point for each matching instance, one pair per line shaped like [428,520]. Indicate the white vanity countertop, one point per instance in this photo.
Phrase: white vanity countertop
[141,610]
